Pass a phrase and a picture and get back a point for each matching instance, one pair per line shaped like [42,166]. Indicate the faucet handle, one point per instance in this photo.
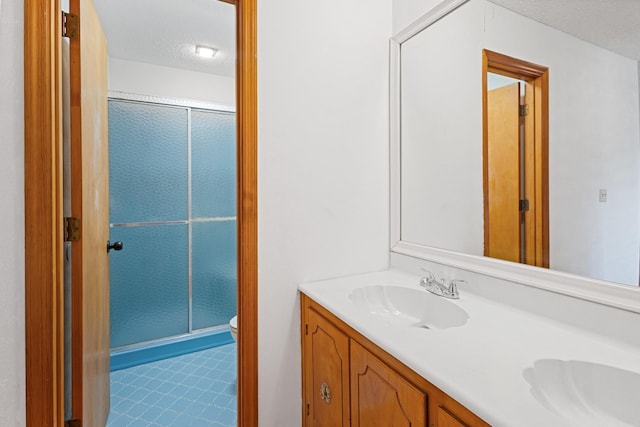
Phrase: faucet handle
[428,273]
[429,278]
[453,289]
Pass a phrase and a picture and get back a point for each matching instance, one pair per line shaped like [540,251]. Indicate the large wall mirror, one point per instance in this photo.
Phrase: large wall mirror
[593,165]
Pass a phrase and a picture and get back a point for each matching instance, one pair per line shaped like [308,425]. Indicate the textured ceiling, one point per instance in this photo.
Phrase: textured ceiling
[165,32]
[612,24]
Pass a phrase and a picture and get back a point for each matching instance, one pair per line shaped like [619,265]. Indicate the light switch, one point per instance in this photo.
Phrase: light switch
[603,195]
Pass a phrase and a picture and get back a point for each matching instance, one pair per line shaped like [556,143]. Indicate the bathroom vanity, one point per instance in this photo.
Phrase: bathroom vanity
[545,332]
[349,380]
[378,350]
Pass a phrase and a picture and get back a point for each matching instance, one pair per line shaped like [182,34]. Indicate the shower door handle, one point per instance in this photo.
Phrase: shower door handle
[116,246]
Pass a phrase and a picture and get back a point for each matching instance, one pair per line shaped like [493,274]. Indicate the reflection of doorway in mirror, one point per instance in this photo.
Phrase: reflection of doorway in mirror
[515,160]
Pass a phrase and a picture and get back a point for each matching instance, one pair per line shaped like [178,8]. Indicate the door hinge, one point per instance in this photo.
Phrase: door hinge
[306,329]
[524,110]
[524,205]
[73,423]
[307,409]
[70,25]
[72,229]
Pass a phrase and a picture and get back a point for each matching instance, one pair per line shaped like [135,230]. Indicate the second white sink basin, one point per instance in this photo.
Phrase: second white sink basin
[586,393]
[409,307]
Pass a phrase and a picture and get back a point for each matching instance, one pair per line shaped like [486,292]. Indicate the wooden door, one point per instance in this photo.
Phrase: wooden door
[89,203]
[326,367]
[502,222]
[381,397]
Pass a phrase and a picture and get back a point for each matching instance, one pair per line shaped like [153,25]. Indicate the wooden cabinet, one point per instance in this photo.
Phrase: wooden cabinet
[349,381]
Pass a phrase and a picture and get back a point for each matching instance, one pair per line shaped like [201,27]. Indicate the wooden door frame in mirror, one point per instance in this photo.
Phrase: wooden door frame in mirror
[44,337]
[537,187]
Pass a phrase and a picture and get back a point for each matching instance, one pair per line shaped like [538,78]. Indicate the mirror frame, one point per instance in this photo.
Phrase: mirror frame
[616,295]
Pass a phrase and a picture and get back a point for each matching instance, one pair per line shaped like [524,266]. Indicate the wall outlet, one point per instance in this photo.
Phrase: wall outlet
[603,195]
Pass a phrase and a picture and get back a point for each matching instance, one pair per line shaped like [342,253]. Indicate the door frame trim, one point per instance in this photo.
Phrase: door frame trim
[44,336]
[538,123]
[247,211]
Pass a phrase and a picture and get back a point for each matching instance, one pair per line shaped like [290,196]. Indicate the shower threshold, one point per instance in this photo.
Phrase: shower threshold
[165,348]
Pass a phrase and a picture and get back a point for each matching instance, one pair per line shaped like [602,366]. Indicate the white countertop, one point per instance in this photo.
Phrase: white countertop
[481,363]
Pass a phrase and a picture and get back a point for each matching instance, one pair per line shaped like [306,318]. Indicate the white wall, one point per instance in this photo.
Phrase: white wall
[406,12]
[154,80]
[12,369]
[323,168]
[594,146]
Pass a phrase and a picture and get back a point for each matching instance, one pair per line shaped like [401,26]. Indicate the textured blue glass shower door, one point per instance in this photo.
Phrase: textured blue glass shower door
[172,203]
[213,202]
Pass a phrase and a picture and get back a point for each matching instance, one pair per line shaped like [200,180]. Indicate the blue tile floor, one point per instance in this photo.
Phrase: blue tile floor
[197,389]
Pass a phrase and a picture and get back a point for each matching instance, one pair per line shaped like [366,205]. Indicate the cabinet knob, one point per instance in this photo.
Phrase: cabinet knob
[325,393]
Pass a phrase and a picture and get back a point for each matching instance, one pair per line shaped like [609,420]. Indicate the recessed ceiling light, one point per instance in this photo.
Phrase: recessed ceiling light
[206,52]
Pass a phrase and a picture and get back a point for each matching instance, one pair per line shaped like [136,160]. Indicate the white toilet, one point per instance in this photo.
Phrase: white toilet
[233,326]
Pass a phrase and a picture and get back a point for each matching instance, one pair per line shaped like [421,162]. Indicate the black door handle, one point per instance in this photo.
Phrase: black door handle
[116,246]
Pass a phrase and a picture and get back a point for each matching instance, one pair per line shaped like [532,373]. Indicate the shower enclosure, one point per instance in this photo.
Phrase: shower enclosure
[172,171]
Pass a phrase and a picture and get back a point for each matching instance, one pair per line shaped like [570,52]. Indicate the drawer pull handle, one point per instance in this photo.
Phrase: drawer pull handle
[325,393]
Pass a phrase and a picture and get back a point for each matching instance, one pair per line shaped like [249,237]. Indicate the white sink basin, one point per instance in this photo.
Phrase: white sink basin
[409,307]
[585,393]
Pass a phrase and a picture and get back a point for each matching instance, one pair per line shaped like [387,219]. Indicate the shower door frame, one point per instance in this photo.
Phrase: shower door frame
[44,337]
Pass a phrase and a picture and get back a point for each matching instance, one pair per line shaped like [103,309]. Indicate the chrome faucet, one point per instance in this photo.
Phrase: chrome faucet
[439,287]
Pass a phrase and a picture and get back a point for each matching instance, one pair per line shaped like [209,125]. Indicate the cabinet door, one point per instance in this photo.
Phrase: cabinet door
[381,397]
[326,371]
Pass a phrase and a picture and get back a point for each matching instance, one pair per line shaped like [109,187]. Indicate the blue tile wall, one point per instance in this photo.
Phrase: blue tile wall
[213,148]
